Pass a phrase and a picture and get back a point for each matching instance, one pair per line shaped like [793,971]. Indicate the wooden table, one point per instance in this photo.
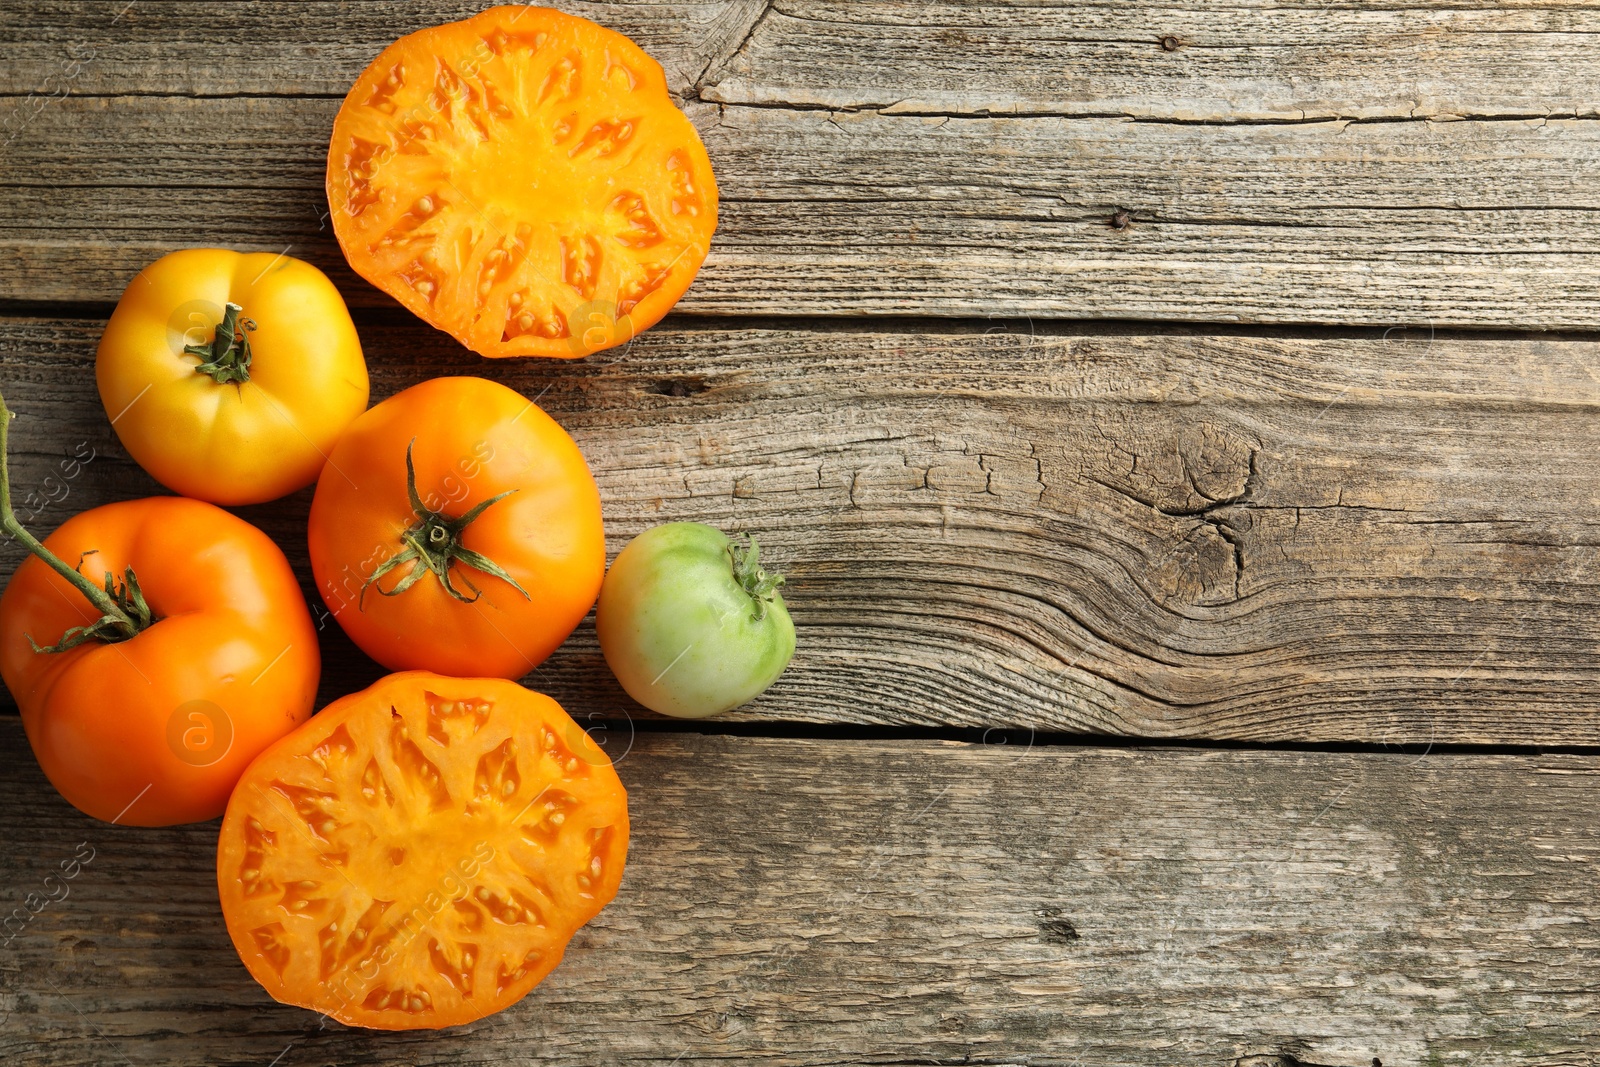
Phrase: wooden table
[1177,421]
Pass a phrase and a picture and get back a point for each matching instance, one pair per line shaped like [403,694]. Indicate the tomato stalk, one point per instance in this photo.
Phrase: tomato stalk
[122,607]
[433,545]
[747,569]
[227,357]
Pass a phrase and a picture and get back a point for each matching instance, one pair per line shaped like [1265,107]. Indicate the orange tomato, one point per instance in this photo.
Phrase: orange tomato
[523,181]
[456,528]
[420,853]
[154,729]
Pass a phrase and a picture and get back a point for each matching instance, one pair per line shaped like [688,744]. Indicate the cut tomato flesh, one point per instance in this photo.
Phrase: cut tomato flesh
[419,854]
[523,181]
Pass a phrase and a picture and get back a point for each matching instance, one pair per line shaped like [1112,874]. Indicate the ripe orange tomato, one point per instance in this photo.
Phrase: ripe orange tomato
[154,729]
[228,376]
[419,854]
[457,529]
[523,181]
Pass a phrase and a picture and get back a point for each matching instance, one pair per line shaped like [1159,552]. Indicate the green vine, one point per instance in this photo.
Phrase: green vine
[123,611]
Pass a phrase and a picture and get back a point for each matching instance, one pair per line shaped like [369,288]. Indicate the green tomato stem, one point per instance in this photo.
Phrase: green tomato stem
[761,586]
[122,607]
[227,357]
[433,545]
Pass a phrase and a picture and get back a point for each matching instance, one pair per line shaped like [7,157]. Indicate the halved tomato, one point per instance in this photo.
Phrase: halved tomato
[523,181]
[419,854]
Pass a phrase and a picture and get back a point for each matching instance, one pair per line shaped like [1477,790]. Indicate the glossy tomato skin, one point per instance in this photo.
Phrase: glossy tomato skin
[523,181]
[231,442]
[678,630]
[418,855]
[474,439]
[155,730]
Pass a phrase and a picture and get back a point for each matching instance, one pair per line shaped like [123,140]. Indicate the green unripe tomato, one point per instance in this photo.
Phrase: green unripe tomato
[689,622]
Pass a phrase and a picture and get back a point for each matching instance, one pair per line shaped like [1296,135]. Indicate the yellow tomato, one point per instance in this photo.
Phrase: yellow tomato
[229,375]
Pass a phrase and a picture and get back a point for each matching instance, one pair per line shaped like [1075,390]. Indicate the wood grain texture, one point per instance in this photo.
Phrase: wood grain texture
[298,47]
[1248,60]
[795,902]
[1261,61]
[986,188]
[1381,539]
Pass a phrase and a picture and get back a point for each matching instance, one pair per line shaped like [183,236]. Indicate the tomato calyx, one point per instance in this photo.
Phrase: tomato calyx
[227,356]
[123,611]
[131,615]
[748,572]
[433,545]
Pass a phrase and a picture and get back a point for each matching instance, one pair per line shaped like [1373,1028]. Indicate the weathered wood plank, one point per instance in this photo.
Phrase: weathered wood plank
[1260,202]
[794,902]
[1381,539]
[1483,223]
[1255,61]
[297,47]
[1245,61]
